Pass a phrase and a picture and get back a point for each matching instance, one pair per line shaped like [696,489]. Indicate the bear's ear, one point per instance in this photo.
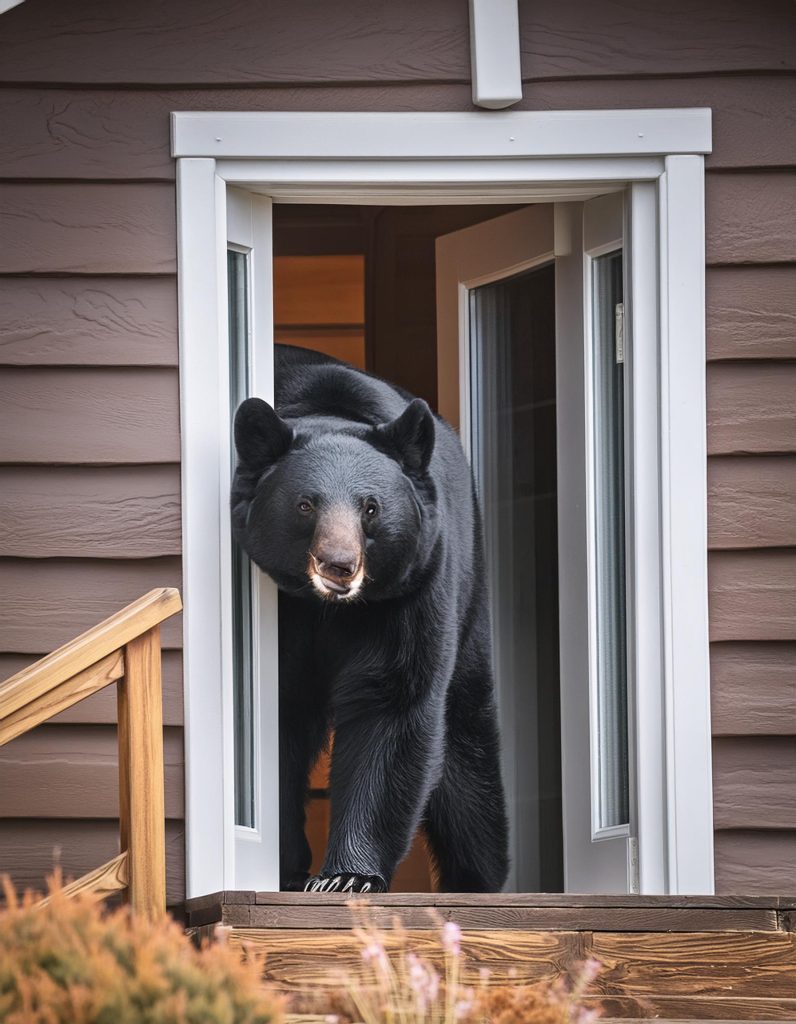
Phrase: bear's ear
[261,437]
[411,436]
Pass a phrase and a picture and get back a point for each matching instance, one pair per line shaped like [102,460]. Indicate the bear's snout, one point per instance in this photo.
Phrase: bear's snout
[336,567]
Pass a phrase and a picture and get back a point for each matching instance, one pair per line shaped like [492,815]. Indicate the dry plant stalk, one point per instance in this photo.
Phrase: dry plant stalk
[395,985]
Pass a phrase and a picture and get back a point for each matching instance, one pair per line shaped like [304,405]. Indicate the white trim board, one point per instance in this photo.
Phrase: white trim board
[469,157]
[436,136]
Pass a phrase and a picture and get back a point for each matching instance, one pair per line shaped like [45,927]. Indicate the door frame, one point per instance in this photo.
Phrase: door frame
[425,158]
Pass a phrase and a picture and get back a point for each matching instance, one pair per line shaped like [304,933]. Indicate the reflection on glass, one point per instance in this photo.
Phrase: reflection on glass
[609,492]
[513,444]
[242,682]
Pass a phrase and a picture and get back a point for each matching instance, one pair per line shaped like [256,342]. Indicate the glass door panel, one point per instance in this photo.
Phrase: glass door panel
[242,668]
[612,810]
[513,447]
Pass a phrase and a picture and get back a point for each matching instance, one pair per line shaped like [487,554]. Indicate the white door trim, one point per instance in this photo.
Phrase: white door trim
[513,156]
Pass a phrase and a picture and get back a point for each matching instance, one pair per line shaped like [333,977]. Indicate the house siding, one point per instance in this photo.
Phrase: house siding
[89,466]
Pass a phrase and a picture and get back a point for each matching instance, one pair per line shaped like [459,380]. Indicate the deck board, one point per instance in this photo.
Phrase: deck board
[730,958]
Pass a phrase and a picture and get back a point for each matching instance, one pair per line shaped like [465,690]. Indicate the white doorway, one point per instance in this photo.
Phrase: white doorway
[516,158]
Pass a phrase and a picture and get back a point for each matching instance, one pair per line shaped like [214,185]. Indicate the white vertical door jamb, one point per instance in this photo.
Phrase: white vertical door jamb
[201,231]
[684,470]
[648,749]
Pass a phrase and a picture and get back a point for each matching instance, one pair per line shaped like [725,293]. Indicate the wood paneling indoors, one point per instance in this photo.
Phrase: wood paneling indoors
[319,303]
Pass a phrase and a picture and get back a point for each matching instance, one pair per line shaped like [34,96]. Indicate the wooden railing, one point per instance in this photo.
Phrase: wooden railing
[124,649]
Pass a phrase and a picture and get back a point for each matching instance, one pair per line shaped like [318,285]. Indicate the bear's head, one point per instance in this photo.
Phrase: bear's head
[335,513]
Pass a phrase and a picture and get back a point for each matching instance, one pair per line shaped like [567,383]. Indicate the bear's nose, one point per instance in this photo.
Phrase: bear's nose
[339,565]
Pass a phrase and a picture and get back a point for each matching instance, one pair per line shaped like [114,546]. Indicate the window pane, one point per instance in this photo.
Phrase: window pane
[513,444]
[242,681]
[609,478]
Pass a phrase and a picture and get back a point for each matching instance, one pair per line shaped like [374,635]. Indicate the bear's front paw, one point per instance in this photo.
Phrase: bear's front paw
[345,882]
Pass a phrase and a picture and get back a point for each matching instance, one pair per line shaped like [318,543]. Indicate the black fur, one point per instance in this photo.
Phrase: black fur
[358,485]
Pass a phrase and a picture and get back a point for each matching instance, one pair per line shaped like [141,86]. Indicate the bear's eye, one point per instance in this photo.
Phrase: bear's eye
[305,507]
[371,508]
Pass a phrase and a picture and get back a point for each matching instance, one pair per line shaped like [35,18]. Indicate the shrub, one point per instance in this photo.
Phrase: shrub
[71,963]
[394,985]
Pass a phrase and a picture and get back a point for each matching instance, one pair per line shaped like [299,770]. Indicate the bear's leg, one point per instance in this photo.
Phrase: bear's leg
[465,819]
[384,765]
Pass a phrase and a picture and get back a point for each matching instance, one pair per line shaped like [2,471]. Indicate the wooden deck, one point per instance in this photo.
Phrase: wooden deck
[730,958]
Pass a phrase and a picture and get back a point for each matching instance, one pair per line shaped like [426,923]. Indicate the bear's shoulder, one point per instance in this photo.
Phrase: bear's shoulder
[311,384]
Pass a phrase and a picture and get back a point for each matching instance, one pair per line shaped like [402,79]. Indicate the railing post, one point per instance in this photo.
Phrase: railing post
[141,799]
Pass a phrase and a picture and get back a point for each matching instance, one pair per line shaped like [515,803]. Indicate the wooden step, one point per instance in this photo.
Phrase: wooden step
[699,958]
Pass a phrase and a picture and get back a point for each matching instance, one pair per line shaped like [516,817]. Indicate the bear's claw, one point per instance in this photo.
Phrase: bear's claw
[345,883]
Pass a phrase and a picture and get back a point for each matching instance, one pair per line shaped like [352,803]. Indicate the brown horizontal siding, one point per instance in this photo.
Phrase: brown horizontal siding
[100,708]
[753,689]
[751,217]
[88,229]
[89,415]
[751,407]
[88,321]
[249,43]
[751,501]
[754,782]
[751,312]
[44,603]
[106,134]
[31,848]
[71,771]
[749,861]
[752,595]
[96,512]
[123,228]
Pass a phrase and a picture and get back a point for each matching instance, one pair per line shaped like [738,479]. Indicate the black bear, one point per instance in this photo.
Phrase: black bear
[359,503]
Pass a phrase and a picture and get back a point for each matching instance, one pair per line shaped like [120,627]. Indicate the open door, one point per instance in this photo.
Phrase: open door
[249,626]
[529,312]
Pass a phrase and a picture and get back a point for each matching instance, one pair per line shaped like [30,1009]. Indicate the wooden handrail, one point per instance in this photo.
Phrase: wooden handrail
[88,648]
[124,649]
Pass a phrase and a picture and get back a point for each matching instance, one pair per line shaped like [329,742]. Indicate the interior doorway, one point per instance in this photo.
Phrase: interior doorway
[360,283]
